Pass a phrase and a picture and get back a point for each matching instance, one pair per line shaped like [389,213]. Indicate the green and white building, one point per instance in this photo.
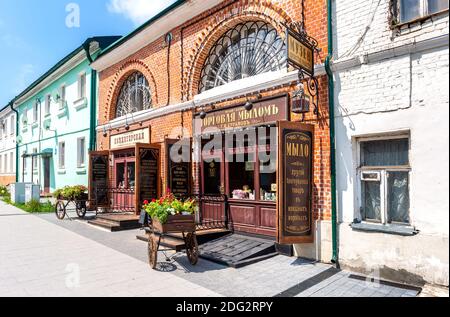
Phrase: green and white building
[57,119]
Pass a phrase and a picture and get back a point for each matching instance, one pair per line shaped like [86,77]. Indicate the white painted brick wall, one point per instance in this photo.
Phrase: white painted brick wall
[408,92]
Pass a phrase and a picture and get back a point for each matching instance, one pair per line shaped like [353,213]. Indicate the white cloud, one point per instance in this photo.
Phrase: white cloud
[21,81]
[138,11]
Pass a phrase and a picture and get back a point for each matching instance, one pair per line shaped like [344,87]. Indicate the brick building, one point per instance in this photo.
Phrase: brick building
[207,59]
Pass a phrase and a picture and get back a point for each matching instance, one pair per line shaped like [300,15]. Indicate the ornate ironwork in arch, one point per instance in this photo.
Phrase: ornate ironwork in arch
[135,95]
[246,50]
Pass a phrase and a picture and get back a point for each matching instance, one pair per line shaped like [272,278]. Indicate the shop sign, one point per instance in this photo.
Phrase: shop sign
[295,173]
[130,139]
[98,178]
[148,166]
[263,112]
[179,169]
[300,53]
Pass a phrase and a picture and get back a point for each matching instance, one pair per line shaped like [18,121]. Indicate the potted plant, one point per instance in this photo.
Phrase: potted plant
[78,192]
[171,215]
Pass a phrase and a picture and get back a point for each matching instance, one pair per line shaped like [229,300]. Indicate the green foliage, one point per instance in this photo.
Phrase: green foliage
[4,192]
[70,192]
[163,208]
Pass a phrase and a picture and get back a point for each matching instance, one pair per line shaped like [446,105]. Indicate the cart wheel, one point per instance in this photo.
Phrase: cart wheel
[152,251]
[60,210]
[192,248]
[81,209]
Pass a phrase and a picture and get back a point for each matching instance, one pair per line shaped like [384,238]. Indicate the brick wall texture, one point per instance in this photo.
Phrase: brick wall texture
[174,77]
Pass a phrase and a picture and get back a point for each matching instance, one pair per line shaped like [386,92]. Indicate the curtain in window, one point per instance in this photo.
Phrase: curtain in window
[372,201]
[385,153]
[399,202]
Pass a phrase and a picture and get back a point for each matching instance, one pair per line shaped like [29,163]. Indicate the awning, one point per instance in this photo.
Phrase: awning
[44,153]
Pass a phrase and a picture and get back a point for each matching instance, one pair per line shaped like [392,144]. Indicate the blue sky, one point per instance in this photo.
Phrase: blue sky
[34,35]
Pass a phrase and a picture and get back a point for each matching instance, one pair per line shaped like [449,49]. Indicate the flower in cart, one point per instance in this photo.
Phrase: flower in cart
[145,202]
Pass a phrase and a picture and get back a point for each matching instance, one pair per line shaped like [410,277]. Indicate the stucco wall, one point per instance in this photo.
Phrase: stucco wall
[400,92]
[8,147]
[65,126]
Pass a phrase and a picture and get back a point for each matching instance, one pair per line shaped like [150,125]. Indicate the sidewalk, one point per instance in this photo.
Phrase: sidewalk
[41,255]
[41,259]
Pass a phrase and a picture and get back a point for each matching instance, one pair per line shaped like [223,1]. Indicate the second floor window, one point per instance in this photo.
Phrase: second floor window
[48,99]
[82,86]
[62,97]
[135,95]
[410,10]
[35,112]
[81,152]
[13,125]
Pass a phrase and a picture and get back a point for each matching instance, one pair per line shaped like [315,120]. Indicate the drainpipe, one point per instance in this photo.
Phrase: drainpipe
[11,104]
[334,218]
[93,99]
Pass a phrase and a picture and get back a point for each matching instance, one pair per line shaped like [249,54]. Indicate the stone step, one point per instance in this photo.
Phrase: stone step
[116,222]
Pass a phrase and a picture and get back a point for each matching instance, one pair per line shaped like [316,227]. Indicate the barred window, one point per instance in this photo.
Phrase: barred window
[246,50]
[384,174]
[134,96]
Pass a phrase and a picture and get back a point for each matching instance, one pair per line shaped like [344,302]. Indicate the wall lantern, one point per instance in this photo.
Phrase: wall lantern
[248,105]
[300,102]
[105,133]
[203,114]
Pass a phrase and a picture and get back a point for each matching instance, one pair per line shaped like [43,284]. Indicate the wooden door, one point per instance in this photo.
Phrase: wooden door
[46,175]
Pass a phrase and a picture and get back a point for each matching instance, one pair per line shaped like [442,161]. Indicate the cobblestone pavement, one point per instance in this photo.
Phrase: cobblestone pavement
[278,276]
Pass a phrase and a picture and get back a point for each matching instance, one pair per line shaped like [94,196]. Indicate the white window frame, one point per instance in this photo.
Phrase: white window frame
[82,91]
[81,164]
[1,164]
[424,13]
[12,121]
[12,162]
[5,162]
[25,117]
[24,160]
[384,171]
[35,161]
[62,96]
[48,104]
[62,155]
[35,112]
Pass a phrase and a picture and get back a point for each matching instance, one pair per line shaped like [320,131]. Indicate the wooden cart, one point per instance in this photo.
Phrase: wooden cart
[175,224]
[80,203]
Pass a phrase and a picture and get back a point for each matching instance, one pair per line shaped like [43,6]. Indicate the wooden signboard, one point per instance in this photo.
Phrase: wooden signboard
[295,177]
[99,178]
[148,171]
[178,172]
[266,111]
[300,53]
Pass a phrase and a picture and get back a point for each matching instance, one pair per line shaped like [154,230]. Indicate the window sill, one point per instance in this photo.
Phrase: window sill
[80,103]
[81,171]
[35,125]
[47,115]
[62,112]
[406,231]
[61,172]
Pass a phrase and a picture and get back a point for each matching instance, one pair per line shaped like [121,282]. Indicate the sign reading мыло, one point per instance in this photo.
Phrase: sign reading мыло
[295,171]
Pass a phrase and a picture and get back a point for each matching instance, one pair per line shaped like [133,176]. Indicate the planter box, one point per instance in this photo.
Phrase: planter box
[176,224]
[79,198]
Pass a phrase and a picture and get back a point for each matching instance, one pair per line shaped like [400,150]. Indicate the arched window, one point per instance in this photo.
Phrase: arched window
[135,95]
[246,50]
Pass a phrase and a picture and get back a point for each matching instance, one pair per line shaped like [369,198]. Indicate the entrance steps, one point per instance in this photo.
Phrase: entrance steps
[116,222]
[237,250]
